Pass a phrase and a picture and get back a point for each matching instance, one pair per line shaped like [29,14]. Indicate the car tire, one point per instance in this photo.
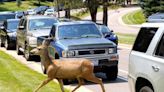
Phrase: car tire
[7,46]
[146,89]
[1,43]
[27,53]
[18,51]
[112,72]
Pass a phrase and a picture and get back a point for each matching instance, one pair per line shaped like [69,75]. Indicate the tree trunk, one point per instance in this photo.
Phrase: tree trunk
[105,12]
[92,6]
[67,13]
[93,13]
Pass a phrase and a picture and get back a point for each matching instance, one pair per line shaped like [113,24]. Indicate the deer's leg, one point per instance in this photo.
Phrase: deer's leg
[79,84]
[94,79]
[61,84]
[42,84]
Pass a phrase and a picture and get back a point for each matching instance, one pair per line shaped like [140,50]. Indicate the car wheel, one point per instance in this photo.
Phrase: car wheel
[112,72]
[1,42]
[18,51]
[43,68]
[146,89]
[7,46]
[27,53]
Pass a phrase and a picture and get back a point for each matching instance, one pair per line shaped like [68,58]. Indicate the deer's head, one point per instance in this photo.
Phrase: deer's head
[42,48]
[38,50]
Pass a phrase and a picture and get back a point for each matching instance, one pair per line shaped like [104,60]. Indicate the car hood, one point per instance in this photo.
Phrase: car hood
[40,32]
[85,43]
[11,30]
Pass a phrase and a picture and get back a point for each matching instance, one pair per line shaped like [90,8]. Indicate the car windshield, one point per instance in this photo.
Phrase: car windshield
[78,31]
[35,24]
[50,10]
[12,25]
[104,29]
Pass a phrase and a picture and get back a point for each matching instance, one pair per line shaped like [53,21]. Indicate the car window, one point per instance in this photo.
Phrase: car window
[104,29]
[160,48]
[144,38]
[35,24]
[12,25]
[78,31]
[52,32]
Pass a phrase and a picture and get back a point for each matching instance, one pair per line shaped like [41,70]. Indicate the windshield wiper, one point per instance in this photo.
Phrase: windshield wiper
[90,36]
[70,38]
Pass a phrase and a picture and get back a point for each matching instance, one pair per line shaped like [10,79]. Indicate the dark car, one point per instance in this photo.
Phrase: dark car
[8,33]
[19,14]
[6,15]
[41,9]
[108,33]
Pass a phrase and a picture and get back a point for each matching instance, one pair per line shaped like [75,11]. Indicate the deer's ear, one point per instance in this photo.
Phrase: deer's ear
[47,41]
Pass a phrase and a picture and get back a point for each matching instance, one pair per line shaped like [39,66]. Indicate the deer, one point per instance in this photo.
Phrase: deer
[69,68]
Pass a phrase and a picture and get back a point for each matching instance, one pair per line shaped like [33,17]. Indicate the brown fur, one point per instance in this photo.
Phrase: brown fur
[69,68]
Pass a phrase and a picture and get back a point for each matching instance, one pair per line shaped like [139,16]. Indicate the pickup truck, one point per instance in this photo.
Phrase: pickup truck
[82,39]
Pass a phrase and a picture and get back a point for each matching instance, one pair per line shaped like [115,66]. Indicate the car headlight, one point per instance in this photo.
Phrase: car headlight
[68,53]
[111,50]
[32,40]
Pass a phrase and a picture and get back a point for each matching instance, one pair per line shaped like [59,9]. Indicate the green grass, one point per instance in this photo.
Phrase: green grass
[136,17]
[16,77]
[12,6]
[126,38]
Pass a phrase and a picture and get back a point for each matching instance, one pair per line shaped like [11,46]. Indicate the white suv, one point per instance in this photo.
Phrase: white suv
[146,62]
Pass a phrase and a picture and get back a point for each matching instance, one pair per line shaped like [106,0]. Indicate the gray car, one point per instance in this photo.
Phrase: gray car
[29,29]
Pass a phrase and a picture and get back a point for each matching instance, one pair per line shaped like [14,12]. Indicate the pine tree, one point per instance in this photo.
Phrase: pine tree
[152,6]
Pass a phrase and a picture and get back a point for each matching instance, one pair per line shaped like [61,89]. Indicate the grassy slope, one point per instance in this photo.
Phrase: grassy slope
[12,6]
[126,38]
[15,77]
[135,17]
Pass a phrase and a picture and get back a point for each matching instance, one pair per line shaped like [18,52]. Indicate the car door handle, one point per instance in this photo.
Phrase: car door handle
[155,68]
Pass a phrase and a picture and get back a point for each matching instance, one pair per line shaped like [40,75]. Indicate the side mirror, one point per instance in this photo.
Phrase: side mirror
[2,27]
[21,27]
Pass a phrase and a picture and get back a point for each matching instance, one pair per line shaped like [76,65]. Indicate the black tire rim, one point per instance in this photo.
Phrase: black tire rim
[42,67]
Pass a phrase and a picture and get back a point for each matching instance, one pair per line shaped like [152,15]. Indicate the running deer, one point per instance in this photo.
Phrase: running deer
[70,68]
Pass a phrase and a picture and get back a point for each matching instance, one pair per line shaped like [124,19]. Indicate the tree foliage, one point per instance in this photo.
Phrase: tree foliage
[152,6]
[18,3]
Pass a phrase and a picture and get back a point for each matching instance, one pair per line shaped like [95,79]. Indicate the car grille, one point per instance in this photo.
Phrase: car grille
[88,52]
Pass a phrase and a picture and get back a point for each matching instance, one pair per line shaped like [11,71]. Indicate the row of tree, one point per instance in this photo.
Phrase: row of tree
[92,6]
[152,6]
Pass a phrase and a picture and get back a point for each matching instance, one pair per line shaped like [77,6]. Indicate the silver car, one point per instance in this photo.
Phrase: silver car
[29,29]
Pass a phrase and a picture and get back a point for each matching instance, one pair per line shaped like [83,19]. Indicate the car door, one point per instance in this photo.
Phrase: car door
[21,33]
[158,66]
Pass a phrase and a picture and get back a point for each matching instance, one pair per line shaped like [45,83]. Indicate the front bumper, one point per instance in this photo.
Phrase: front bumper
[102,60]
